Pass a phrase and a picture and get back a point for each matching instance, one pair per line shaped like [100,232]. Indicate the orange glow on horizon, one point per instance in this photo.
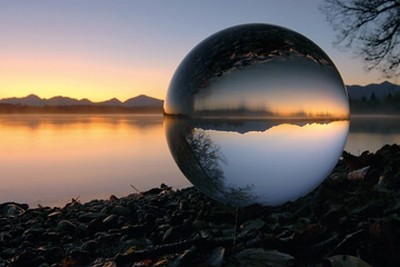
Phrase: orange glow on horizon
[78,78]
[290,107]
[314,110]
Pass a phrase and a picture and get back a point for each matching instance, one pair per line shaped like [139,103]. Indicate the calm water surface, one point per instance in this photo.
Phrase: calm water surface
[49,159]
[372,132]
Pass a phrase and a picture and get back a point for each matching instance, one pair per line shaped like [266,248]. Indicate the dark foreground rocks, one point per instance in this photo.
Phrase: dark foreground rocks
[351,219]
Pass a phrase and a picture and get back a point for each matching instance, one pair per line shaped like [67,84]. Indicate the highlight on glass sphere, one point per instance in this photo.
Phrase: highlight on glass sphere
[256,113]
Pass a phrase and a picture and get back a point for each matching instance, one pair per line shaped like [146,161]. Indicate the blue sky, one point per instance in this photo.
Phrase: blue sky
[102,49]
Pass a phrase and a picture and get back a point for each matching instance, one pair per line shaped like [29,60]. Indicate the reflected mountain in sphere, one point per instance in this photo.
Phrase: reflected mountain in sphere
[257,70]
[256,113]
[243,162]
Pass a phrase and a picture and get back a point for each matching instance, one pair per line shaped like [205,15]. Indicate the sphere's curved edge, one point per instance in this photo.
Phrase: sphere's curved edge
[256,104]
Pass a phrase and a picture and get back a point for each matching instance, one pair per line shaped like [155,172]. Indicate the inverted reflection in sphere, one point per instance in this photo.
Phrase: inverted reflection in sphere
[256,114]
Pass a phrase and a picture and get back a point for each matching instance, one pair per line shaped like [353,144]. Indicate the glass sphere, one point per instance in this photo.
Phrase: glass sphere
[256,113]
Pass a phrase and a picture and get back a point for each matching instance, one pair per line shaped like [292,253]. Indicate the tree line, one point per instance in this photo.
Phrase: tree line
[374,105]
[76,109]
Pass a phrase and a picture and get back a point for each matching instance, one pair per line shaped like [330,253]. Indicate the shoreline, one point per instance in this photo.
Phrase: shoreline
[353,212]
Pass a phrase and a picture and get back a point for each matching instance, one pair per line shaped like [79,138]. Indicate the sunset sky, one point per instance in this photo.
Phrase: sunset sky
[104,49]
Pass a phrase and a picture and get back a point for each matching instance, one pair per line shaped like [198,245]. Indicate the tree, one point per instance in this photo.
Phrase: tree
[372,27]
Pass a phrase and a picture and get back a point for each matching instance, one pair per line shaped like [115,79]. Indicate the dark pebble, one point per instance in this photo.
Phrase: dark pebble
[66,226]
[120,210]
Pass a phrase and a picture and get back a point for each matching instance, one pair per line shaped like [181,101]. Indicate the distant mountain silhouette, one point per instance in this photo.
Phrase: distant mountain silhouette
[381,98]
[30,100]
[35,101]
[64,101]
[143,101]
[369,99]
[241,126]
[380,91]
[114,102]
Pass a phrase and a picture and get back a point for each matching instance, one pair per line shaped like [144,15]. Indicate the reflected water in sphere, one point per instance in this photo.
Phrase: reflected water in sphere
[256,113]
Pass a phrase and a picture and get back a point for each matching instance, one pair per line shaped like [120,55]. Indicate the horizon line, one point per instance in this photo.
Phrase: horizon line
[79,99]
[162,99]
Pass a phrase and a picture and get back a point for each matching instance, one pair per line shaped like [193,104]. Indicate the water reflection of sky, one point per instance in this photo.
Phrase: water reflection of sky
[268,167]
[49,159]
[371,132]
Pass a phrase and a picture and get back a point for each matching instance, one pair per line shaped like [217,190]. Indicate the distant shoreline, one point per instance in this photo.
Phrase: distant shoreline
[76,109]
[106,109]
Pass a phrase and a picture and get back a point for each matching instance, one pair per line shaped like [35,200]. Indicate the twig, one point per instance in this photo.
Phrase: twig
[134,188]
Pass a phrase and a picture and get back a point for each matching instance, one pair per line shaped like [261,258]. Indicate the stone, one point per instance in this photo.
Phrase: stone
[89,216]
[90,246]
[111,220]
[13,209]
[120,210]
[66,226]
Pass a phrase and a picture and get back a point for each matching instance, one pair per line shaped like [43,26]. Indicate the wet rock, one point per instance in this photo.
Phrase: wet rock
[111,220]
[23,259]
[346,260]
[217,257]
[90,216]
[66,226]
[174,234]
[76,258]
[8,253]
[253,224]
[186,258]
[32,236]
[384,241]
[120,210]
[5,237]
[52,254]
[104,263]
[358,174]
[90,246]
[199,224]
[39,261]
[95,226]
[12,209]
[54,214]
[136,231]
[262,257]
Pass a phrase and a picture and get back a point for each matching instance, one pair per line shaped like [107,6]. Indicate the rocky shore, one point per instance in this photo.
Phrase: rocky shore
[352,218]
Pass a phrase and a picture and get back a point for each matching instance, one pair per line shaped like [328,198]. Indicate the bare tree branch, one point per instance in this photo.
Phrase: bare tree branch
[371,28]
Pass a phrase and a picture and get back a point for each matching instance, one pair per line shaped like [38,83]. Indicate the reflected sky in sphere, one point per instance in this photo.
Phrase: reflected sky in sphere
[257,70]
[256,113]
[243,162]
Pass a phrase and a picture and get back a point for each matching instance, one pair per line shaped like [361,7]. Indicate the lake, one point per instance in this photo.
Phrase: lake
[50,159]
[371,132]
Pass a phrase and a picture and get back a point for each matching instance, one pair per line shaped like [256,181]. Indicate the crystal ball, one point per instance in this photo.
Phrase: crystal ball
[256,113]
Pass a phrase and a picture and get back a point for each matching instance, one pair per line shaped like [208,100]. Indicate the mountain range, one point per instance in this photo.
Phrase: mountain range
[141,101]
[382,90]
[356,92]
